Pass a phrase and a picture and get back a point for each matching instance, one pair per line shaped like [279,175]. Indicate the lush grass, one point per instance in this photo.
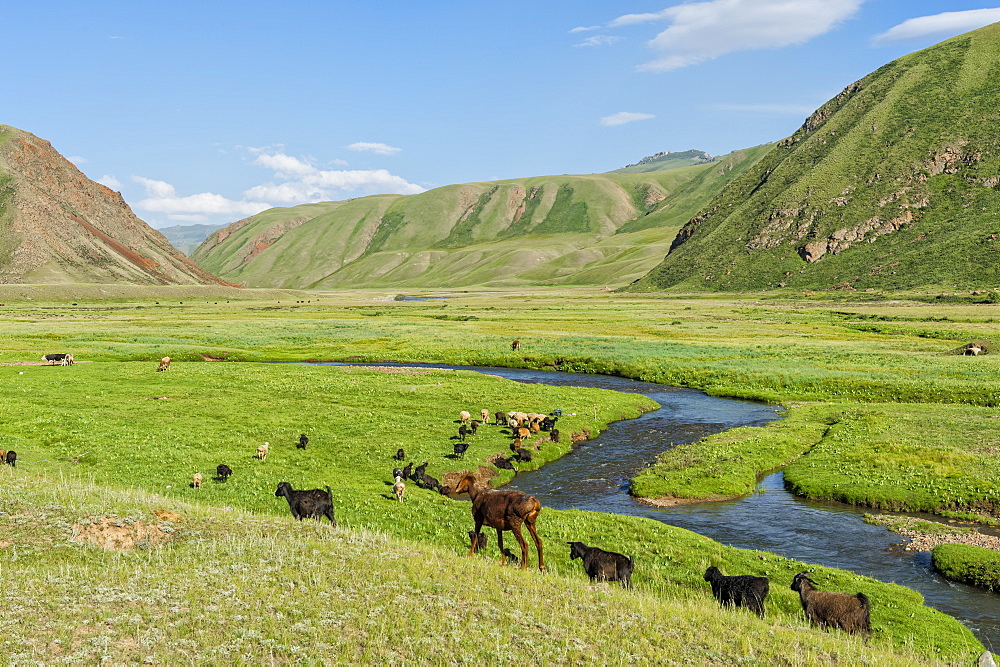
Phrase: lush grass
[108,413]
[231,586]
[969,564]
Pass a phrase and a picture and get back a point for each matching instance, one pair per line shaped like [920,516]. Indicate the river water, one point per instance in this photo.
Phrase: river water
[595,477]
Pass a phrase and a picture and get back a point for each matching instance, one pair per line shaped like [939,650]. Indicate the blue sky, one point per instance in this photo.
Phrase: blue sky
[212,111]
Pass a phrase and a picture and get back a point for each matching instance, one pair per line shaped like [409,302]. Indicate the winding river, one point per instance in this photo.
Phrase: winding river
[596,476]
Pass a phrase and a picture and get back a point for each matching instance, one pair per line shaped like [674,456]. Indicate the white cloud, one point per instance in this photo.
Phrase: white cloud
[157,189]
[377,148]
[600,40]
[793,109]
[946,23]
[585,28]
[623,117]
[77,160]
[110,181]
[285,165]
[701,31]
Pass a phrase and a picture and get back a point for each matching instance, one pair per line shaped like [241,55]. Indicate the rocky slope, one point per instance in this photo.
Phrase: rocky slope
[892,184]
[595,229]
[58,226]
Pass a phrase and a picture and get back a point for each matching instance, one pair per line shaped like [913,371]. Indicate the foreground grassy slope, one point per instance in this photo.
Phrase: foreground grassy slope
[233,587]
[590,229]
[890,185]
[84,431]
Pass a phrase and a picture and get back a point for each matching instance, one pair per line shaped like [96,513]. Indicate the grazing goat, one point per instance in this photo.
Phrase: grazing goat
[429,483]
[164,364]
[399,488]
[223,471]
[973,350]
[196,480]
[464,416]
[742,590]
[397,472]
[851,613]
[603,565]
[400,454]
[473,427]
[501,418]
[303,441]
[463,431]
[478,541]
[484,416]
[525,455]
[504,464]
[407,470]
[460,448]
[503,509]
[554,435]
[11,458]
[548,423]
[312,503]
[262,451]
[515,346]
[418,473]
[56,358]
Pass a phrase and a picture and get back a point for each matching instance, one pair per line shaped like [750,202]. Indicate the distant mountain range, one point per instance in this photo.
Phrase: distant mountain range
[666,160]
[592,229]
[187,238]
[58,226]
[892,184]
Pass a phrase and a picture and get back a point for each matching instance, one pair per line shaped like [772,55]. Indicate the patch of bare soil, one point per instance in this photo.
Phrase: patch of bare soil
[208,357]
[672,501]
[115,534]
[483,476]
[921,541]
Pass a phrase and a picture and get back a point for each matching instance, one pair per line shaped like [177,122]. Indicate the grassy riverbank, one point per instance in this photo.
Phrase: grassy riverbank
[129,427]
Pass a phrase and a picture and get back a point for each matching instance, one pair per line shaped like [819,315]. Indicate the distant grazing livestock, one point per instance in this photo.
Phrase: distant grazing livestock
[418,473]
[511,557]
[58,358]
[11,458]
[973,350]
[484,416]
[464,416]
[164,364]
[407,470]
[399,488]
[223,472]
[463,431]
[525,455]
[397,472]
[503,509]
[501,418]
[503,464]
[196,480]
[3,456]
[515,346]
[603,565]
[554,435]
[400,454]
[262,451]
[430,483]
[851,613]
[742,590]
[303,441]
[311,503]
[473,427]
[460,448]
[548,423]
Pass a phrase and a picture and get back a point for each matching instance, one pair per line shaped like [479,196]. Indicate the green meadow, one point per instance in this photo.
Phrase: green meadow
[875,415]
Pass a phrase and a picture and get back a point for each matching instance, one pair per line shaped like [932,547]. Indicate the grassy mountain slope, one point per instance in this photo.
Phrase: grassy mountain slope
[892,184]
[58,226]
[187,238]
[588,229]
[666,160]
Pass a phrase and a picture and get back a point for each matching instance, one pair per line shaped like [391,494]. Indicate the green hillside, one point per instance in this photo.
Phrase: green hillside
[591,229]
[892,184]
[666,160]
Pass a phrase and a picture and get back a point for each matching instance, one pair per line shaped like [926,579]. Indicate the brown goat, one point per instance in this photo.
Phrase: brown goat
[850,613]
[164,364]
[503,509]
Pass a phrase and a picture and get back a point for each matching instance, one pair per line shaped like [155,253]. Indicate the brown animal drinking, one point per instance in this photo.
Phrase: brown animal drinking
[503,509]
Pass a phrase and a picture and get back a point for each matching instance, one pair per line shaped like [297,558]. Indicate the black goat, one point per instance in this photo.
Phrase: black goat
[504,464]
[501,418]
[742,590]
[11,458]
[463,431]
[223,472]
[460,448]
[548,423]
[303,441]
[400,454]
[851,613]
[478,544]
[407,470]
[312,503]
[603,565]
[429,482]
[554,435]
[525,455]
[418,473]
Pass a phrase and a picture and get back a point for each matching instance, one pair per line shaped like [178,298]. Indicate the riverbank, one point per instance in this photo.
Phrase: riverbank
[925,535]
